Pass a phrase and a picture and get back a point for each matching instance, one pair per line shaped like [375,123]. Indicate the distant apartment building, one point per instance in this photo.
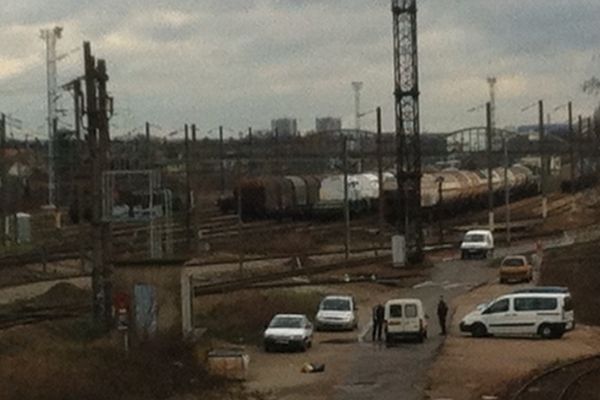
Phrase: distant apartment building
[326,124]
[285,127]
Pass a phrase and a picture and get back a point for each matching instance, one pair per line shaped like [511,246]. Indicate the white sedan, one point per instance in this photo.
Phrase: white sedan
[288,331]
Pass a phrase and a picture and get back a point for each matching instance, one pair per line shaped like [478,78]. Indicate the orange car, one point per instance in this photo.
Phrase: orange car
[515,269]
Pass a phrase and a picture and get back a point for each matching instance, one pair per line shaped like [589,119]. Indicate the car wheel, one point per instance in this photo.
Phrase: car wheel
[479,330]
[267,348]
[546,331]
[421,337]
[502,281]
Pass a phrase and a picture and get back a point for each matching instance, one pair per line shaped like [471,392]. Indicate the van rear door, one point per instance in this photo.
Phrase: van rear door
[568,313]
[394,313]
[411,318]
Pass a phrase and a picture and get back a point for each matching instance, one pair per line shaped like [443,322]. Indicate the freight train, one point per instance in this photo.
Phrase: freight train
[312,196]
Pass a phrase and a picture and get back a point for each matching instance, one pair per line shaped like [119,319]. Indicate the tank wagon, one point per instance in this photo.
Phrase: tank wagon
[462,190]
[313,196]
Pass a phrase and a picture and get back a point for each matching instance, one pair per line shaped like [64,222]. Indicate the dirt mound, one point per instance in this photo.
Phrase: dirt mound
[577,268]
[61,294]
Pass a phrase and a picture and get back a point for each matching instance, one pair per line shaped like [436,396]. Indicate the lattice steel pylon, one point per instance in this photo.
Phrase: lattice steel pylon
[408,141]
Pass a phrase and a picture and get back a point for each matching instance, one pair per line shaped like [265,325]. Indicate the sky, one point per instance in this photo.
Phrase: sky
[241,63]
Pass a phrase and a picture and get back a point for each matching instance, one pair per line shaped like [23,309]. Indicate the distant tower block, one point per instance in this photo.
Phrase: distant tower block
[285,127]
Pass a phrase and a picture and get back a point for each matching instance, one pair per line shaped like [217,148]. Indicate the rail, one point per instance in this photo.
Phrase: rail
[558,382]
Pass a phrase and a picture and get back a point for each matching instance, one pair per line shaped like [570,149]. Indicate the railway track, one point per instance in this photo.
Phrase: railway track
[576,380]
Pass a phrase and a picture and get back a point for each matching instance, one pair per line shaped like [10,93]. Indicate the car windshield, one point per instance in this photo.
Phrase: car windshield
[335,305]
[513,262]
[286,322]
[474,237]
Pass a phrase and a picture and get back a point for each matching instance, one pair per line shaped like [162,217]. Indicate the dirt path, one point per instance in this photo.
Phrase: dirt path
[468,368]
[278,374]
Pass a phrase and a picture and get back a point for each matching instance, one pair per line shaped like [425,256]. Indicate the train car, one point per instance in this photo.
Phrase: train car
[363,190]
[265,197]
[275,197]
[462,190]
[308,196]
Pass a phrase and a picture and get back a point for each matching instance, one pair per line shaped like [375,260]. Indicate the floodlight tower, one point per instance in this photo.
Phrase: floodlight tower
[51,36]
[408,141]
[492,82]
[357,86]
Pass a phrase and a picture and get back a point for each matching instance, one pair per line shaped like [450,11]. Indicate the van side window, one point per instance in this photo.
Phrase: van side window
[395,311]
[410,310]
[497,307]
[535,304]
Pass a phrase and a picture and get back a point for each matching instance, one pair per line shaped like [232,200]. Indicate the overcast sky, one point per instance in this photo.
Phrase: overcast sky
[241,63]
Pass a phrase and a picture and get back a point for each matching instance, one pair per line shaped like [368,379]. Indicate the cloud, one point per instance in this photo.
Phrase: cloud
[242,62]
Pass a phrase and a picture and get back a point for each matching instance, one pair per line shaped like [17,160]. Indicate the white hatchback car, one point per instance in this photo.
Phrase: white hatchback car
[288,331]
[337,312]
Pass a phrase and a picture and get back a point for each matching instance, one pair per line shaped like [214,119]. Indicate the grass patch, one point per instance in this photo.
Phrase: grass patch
[51,368]
[241,317]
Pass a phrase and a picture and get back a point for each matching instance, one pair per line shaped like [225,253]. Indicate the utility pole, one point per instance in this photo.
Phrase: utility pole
[357,86]
[543,171]
[440,181]
[506,188]
[221,165]
[92,138]
[579,146]
[3,191]
[99,106]
[104,155]
[250,150]
[408,139]
[380,170]
[346,200]
[594,143]
[277,153]
[148,147]
[240,216]
[488,113]
[492,83]
[51,36]
[571,146]
[188,200]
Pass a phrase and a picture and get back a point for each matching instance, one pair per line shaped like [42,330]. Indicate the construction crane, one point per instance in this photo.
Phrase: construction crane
[408,142]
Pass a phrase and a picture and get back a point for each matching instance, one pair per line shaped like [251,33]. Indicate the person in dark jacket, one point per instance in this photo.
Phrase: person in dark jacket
[378,318]
[442,312]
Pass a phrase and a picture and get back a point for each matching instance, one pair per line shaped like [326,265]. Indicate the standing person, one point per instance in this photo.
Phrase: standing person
[378,317]
[442,312]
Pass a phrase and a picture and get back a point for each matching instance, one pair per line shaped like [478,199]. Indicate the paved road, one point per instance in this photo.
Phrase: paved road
[400,372]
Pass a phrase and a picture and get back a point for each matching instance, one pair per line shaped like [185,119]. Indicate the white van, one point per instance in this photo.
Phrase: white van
[405,318]
[478,242]
[548,315]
